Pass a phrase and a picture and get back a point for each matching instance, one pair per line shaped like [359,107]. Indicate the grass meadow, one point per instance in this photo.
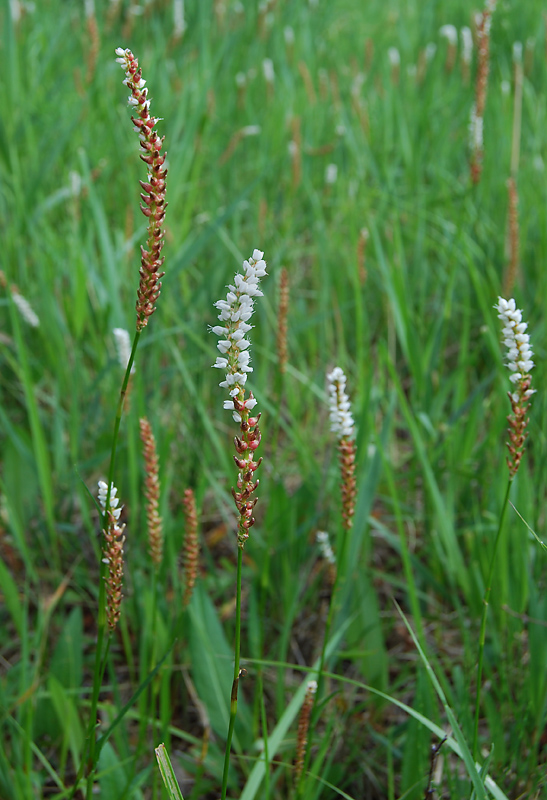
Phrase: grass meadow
[351,171]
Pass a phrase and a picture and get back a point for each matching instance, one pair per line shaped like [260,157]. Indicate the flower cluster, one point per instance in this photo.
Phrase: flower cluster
[235,313]
[343,426]
[154,188]
[113,551]
[323,540]
[341,420]
[520,364]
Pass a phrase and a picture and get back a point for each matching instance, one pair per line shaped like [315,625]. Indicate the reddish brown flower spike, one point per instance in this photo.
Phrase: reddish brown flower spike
[154,199]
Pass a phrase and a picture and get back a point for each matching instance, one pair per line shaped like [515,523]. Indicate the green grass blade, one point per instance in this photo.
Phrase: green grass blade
[168,773]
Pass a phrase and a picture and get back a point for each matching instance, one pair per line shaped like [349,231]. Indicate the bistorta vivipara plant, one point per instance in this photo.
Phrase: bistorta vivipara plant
[519,362]
[343,426]
[235,314]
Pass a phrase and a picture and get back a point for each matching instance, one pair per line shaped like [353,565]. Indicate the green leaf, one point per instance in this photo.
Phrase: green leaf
[168,773]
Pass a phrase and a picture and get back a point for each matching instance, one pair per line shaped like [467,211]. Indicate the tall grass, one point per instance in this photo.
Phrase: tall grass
[409,318]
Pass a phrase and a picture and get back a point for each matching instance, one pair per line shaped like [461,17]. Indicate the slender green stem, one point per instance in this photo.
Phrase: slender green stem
[235,684]
[100,659]
[333,608]
[155,685]
[483,620]
[405,555]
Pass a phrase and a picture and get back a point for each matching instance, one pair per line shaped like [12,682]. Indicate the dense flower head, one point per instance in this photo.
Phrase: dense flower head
[323,540]
[341,420]
[517,342]
[113,501]
[235,313]
[519,363]
[153,197]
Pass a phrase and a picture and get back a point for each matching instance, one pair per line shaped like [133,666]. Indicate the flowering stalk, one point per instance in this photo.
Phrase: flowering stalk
[477,112]
[110,597]
[520,363]
[112,552]
[191,550]
[235,313]
[154,188]
[152,493]
[343,427]
[303,728]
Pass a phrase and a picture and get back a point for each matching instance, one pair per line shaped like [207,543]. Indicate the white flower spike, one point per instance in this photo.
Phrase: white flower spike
[235,313]
[520,363]
[341,420]
[517,342]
